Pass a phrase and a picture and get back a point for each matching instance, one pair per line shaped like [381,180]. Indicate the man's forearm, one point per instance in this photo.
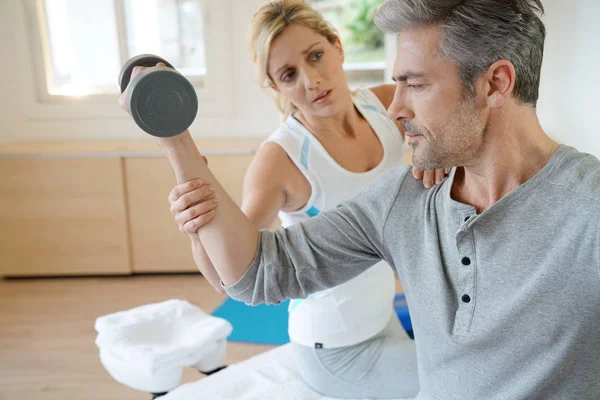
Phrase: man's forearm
[230,239]
[205,265]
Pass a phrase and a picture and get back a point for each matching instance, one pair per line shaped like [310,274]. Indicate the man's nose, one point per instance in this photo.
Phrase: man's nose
[400,109]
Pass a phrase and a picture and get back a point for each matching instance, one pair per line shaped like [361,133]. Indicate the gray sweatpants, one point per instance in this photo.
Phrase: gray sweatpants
[382,367]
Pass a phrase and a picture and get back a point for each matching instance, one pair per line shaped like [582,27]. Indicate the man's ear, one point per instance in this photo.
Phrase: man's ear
[499,83]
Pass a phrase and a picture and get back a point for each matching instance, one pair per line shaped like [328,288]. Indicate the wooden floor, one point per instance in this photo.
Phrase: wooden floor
[47,348]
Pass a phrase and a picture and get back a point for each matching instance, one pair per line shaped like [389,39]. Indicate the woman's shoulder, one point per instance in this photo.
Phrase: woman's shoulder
[384,93]
[274,169]
[271,154]
[289,131]
[280,153]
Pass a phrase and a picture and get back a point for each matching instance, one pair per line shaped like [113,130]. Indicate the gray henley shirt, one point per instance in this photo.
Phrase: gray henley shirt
[504,304]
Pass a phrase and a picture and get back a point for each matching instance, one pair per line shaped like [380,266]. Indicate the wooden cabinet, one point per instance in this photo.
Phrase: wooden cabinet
[62,216]
[156,243]
[96,208]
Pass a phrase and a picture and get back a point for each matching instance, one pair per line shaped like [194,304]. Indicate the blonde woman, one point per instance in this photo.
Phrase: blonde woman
[332,142]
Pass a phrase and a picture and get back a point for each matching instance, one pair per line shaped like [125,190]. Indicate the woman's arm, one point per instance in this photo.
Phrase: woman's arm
[266,185]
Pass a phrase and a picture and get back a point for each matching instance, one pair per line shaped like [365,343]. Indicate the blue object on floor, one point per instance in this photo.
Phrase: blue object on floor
[403,315]
[264,324]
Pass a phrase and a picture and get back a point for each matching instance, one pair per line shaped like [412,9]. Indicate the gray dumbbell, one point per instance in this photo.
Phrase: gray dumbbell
[161,101]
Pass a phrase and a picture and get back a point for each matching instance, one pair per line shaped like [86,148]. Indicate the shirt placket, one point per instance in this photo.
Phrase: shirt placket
[467,268]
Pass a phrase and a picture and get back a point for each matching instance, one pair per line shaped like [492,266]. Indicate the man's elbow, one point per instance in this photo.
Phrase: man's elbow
[218,288]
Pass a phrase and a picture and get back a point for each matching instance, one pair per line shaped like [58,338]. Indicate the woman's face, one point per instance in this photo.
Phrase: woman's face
[307,70]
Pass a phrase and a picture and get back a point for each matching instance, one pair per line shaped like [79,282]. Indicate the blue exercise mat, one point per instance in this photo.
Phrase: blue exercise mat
[261,324]
[403,314]
[269,324]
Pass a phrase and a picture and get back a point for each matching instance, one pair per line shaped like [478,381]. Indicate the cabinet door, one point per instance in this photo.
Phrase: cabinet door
[62,216]
[156,243]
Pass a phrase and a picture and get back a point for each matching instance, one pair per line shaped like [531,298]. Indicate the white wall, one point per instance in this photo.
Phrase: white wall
[569,108]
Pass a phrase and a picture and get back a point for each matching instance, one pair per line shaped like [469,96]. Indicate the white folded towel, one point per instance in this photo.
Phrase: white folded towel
[160,336]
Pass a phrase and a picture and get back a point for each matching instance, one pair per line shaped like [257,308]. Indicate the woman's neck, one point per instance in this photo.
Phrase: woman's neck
[344,123]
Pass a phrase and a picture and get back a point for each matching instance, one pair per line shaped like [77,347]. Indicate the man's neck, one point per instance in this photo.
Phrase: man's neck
[515,150]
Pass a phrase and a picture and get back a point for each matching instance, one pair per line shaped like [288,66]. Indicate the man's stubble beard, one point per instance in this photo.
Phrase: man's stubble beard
[457,144]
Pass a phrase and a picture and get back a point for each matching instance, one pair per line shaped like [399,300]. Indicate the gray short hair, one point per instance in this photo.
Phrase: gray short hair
[477,33]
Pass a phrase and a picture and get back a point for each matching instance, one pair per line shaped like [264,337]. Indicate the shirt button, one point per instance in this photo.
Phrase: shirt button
[467,218]
[466,261]
[466,298]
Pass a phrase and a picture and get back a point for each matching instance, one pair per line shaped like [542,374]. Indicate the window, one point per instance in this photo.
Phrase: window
[83,44]
[366,48]
[172,28]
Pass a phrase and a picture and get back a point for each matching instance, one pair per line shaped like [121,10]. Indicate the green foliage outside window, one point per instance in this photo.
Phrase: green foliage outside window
[362,30]
[363,41]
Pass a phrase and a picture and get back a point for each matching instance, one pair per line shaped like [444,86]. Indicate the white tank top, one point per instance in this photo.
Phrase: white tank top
[360,308]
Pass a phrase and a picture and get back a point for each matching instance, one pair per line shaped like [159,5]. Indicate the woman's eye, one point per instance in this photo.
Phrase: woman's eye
[318,55]
[288,76]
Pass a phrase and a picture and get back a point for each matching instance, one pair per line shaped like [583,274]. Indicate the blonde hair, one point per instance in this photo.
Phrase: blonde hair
[271,19]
